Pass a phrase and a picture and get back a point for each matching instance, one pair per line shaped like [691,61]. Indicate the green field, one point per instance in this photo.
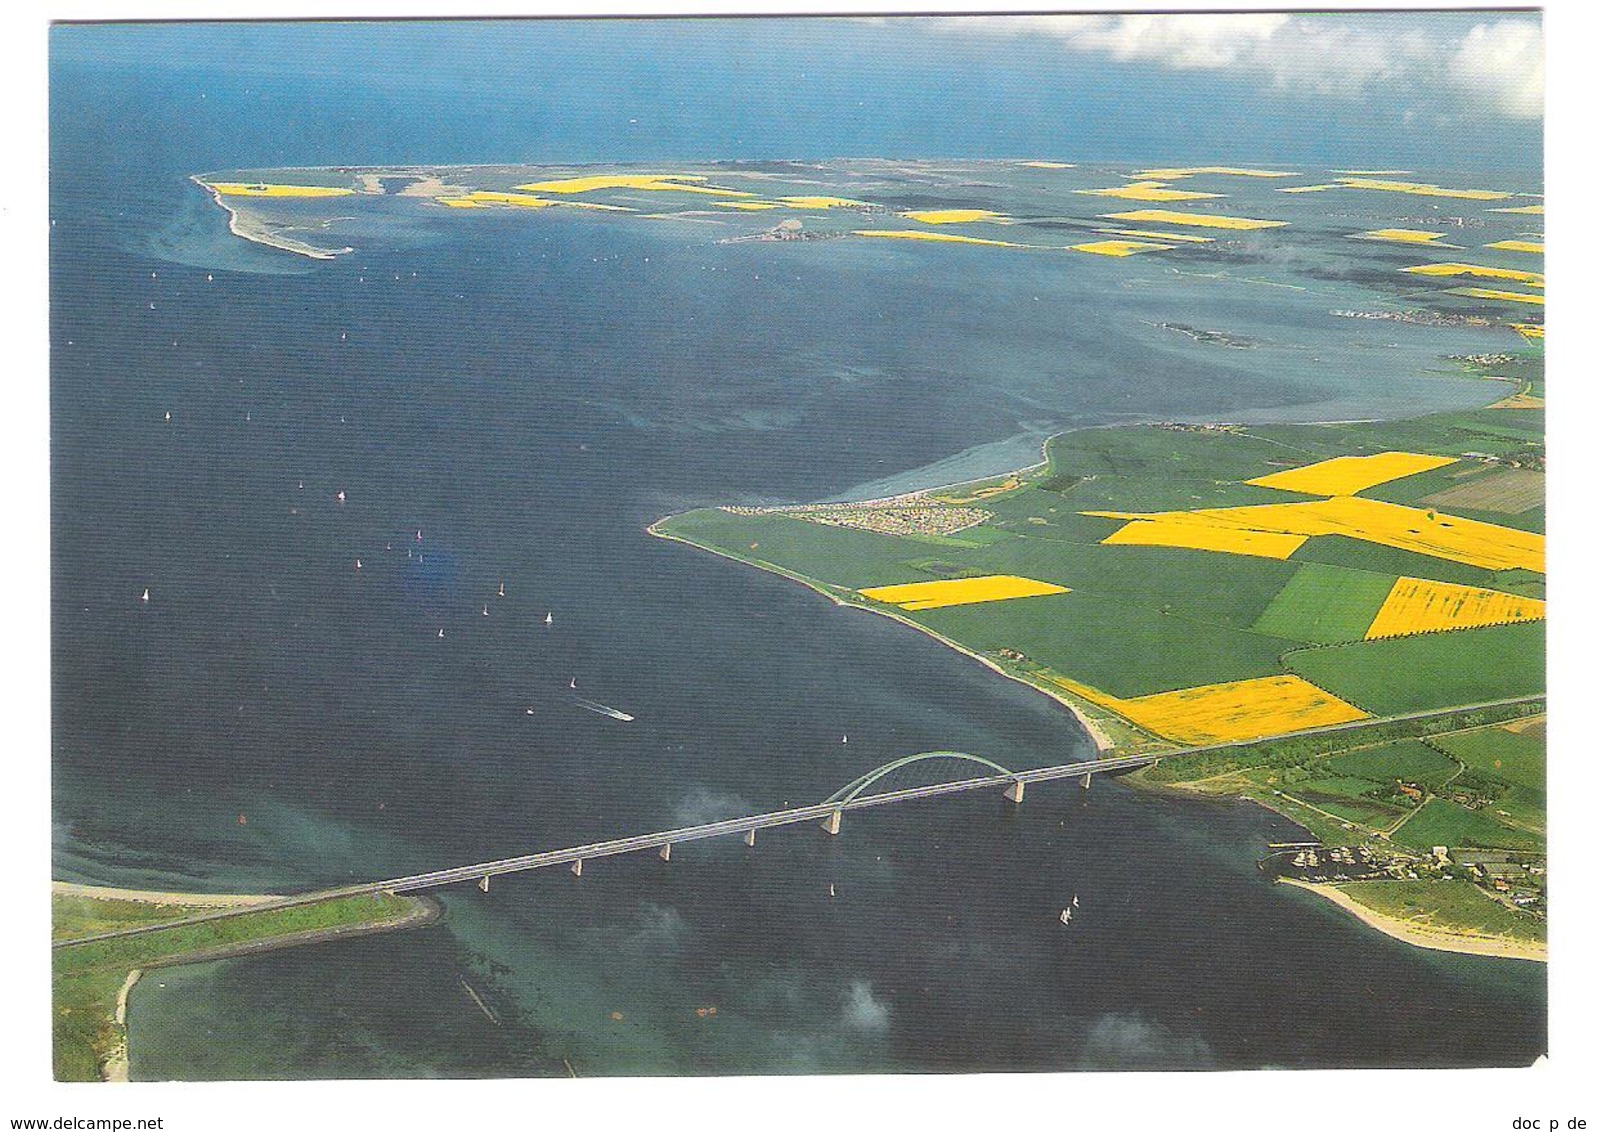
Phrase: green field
[1443,822]
[1516,757]
[1433,670]
[1143,619]
[1408,760]
[1454,904]
[1325,605]
[88,976]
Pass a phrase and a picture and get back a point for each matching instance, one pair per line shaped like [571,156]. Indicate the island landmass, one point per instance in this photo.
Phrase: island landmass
[1341,622]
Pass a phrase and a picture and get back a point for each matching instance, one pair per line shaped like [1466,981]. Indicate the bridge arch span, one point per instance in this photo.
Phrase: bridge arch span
[865,781]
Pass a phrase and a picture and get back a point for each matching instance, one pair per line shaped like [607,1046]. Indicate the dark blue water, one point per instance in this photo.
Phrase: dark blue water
[528,397]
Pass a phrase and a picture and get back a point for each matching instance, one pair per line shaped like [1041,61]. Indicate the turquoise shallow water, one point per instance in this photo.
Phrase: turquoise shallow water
[529,396]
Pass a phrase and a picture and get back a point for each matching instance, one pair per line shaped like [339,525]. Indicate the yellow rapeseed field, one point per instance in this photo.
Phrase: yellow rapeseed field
[1432,533]
[650,182]
[1476,271]
[821,202]
[939,237]
[1349,475]
[745,205]
[1500,296]
[1199,535]
[1422,190]
[1148,190]
[953,215]
[1236,711]
[1119,247]
[1529,330]
[1417,605]
[237,189]
[1048,164]
[1532,247]
[524,200]
[913,596]
[1198,219]
[1309,188]
[1524,210]
[1400,235]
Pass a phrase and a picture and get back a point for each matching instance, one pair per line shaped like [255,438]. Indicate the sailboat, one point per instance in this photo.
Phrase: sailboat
[440,634]
[339,497]
[1075,901]
[1064,916]
[845,738]
[357,563]
[485,609]
[573,683]
[831,890]
[146,596]
[548,618]
[501,589]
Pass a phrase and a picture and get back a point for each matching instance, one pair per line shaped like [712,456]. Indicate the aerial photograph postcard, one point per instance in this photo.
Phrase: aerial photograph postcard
[810,545]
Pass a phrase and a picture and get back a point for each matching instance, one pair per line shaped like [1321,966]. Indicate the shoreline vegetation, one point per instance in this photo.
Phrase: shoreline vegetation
[1420,934]
[1446,907]
[93,979]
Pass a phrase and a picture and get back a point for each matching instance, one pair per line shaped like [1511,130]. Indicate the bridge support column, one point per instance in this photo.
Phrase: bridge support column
[665,851]
[483,884]
[576,868]
[748,839]
[1016,792]
[1086,781]
[833,822]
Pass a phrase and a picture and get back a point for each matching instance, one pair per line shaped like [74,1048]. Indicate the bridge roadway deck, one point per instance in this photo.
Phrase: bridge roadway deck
[820,811]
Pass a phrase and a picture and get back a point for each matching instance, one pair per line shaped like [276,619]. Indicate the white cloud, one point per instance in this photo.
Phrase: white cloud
[1496,68]
[1503,61]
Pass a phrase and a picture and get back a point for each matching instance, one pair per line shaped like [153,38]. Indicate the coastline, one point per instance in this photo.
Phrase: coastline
[114,1063]
[1496,947]
[176,899]
[1101,739]
[247,228]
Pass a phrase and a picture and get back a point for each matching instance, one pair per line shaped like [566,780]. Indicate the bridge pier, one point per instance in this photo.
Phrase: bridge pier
[833,822]
[665,851]
[483,883]
[1016,792]
[576,868]
[748,839]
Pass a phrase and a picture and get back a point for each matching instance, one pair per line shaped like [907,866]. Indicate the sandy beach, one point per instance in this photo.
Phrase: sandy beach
[174,899]
[247,227]
[1498,947]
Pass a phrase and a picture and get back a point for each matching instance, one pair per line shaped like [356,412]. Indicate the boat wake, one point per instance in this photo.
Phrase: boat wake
[603,709]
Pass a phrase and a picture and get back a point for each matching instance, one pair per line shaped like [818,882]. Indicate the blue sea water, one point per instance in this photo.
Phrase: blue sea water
[506,401]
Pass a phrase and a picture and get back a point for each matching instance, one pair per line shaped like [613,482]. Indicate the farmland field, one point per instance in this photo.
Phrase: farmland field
[1443,822]
[1169,636]
[1407,759]
[1510,490]
[1404,674]
[1325,604]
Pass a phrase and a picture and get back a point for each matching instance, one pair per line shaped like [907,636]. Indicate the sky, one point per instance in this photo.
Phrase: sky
[1434,90]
